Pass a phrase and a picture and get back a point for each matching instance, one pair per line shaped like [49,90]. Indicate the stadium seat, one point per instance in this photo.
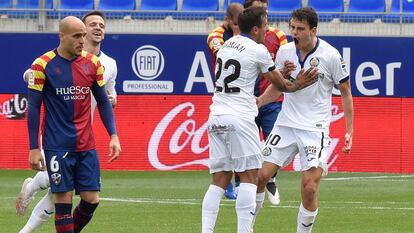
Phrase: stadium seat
[280,10]
[33,4]
[363,11]
[6,3]
[395,15]
[30,4]
[164,5]
[108,5]
[156,9]
[196,9]
[326,8]
[73,6]
[77,4]
[200,5]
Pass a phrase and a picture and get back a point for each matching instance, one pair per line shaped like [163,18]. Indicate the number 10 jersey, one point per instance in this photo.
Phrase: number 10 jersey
[239,62]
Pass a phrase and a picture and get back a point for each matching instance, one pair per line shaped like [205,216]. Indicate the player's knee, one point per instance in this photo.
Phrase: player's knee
[310,189]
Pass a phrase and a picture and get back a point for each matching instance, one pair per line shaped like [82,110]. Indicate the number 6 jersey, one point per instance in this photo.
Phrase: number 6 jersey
[238,64]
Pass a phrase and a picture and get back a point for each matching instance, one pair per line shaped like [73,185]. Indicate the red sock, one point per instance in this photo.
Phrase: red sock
[82,215]
[63,218]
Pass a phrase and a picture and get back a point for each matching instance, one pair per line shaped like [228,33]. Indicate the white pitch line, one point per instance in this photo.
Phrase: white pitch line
[231,203]
[368,177]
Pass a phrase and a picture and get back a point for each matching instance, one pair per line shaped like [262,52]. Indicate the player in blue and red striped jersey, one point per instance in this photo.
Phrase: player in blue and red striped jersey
[63,80]
[267,115]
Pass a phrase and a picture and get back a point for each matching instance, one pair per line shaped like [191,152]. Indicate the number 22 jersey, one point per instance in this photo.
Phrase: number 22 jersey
[238,64]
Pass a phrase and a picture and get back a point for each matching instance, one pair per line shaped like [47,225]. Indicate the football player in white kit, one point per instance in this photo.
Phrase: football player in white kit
[95,27]
[232,133]
[303,124]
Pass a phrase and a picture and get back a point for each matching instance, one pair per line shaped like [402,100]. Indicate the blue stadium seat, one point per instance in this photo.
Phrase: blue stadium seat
[77,4]
[357,8]
[283,9]
[73,5]
[195,9]
[30,4]
[326,8]
[5,4]
[127,5]
[33,4]
[156,9]
[394,16]
[200,5]
[169,5]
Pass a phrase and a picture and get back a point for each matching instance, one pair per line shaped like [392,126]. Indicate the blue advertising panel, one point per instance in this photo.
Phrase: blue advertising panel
[180,64]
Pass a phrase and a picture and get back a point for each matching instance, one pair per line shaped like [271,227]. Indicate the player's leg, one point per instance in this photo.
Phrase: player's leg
[220,167]
[29,188]
[270,113]
[212,198]
[60,166]
[313,155]
[246,200]
[279,150]
[87,183]
[40,214]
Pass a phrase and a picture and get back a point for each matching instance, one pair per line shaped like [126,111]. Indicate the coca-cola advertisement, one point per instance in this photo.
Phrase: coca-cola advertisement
[168,132]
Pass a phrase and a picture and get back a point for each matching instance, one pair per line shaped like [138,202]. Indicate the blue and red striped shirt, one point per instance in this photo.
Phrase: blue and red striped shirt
[65,87]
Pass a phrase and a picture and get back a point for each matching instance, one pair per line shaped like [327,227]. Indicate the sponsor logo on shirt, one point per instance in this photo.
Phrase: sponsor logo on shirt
[73,92]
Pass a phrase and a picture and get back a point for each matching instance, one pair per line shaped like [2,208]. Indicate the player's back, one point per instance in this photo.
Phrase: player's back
[66,87]
[239,63]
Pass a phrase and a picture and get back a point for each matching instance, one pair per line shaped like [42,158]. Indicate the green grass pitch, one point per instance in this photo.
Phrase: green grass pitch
[170,202]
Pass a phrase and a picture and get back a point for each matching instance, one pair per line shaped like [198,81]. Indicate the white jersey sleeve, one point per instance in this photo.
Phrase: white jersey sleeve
[338,68]
[264,59]
[110,73]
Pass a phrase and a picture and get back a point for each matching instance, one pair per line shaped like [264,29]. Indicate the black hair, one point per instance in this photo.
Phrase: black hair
[250,17]
[306,14]
[98,13]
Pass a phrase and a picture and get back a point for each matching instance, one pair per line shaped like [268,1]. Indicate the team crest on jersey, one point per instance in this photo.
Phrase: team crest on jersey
[314,62]
[266,151]
[216,43]
[85,68]
[58,71]
[56,177]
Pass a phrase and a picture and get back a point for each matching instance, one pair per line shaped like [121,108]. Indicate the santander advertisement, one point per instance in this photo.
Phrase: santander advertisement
[169,133]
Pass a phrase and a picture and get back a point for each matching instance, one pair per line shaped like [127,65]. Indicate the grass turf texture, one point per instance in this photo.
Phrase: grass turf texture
[170,202]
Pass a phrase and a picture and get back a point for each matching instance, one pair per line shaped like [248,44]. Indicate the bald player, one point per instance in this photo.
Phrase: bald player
[63,79]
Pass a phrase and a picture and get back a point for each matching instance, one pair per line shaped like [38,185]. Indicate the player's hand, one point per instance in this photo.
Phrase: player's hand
[36,160]
[259,102]
[288,68]
[306,78]
[114,148]
[112,98]
[348,143]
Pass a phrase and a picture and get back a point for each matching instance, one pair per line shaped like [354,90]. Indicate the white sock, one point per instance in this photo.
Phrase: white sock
[259,204]
[306,219]
[40,181]
[210,208]
[41,213]
[245,207]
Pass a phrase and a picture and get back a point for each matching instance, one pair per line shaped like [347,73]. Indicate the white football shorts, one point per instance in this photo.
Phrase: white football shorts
[234,144]
[284,143]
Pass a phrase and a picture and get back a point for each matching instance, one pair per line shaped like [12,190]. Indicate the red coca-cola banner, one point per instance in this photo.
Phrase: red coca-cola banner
[169,133]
